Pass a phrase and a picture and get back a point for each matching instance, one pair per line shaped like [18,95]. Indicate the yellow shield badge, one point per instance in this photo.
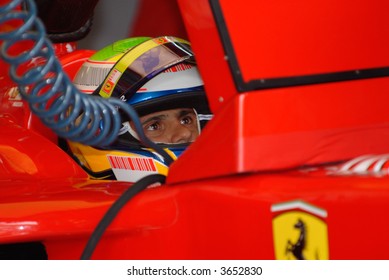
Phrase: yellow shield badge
[299,231]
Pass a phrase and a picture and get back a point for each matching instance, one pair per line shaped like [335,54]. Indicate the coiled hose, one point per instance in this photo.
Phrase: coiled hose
[49,91]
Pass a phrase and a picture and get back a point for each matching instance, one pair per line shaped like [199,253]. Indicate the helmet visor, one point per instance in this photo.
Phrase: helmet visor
[142,63]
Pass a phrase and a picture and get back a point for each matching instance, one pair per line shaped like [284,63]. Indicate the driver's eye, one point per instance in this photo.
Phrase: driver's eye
[152,126]
[187,120]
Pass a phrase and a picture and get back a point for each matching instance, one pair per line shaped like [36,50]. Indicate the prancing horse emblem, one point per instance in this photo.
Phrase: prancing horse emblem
[297,248]
[299,231]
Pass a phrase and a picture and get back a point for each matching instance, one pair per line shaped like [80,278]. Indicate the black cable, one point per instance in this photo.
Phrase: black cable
[114,210]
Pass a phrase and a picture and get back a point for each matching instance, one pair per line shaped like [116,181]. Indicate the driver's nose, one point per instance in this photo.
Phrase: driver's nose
[182,134]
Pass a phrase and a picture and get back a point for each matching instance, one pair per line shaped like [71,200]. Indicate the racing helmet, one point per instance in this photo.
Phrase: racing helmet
[151,75]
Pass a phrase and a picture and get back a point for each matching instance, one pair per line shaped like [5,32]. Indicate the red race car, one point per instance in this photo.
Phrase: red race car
[293,165]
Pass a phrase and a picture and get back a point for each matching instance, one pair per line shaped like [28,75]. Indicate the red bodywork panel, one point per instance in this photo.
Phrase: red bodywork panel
[276,164]
[285,127]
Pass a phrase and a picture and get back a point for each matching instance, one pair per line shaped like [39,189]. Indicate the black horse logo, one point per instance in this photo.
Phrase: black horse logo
[297,248]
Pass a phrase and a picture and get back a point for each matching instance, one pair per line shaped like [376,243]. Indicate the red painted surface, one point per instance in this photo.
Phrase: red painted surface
[212,219]
[155,19]
[206,45]
[290,127]
[301,37]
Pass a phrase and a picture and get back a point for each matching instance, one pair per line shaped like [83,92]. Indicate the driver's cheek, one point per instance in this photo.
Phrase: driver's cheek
[157,136]
[195,132]
[181,133]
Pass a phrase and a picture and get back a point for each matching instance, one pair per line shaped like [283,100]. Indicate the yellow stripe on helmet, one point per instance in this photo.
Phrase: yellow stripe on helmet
[128,58]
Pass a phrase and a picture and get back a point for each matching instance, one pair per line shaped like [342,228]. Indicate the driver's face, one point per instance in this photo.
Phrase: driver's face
[171,126]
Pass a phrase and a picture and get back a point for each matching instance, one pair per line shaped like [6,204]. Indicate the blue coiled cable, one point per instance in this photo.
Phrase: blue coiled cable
[50,93]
